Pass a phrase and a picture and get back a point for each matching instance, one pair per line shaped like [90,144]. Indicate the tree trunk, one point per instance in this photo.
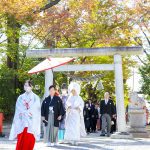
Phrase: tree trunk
[13,34]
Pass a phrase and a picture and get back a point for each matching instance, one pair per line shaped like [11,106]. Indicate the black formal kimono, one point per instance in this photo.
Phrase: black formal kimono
[86,113]
[94,117]
[51,109]
[58,109]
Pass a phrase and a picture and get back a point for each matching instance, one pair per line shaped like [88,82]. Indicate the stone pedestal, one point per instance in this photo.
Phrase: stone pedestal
[137,123]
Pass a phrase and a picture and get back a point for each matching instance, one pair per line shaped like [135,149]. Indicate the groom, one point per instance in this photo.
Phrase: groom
[52,112]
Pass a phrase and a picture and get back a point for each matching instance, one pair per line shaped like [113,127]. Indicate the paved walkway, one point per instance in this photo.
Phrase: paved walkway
[91,142]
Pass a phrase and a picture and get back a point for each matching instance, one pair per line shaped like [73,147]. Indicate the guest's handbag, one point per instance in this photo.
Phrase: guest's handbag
[61,135]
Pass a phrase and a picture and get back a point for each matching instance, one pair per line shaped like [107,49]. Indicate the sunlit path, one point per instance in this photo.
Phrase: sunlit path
[91,142]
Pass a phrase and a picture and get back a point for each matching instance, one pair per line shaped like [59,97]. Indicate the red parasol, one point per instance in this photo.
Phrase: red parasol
[50,63]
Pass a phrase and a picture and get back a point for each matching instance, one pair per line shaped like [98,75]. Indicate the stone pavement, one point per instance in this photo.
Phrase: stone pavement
[91,142]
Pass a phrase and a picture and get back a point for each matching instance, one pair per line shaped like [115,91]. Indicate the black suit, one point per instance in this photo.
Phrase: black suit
[106,111]
[92,108]
[58,109]
[108,108]
[94,117]
[86,113]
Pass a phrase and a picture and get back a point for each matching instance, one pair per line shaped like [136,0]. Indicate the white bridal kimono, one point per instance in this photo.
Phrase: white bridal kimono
[74,123]
[27,114]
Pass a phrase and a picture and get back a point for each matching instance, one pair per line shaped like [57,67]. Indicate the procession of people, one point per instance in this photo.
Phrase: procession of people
[64,116]
[99,116]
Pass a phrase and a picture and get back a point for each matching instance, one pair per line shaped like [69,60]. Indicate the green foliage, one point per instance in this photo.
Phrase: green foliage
[6,90]
[145,74]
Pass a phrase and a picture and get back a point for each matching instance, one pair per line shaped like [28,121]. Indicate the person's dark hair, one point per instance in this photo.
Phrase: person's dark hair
[64,86]
[86,103]
[52,86]
[29,82]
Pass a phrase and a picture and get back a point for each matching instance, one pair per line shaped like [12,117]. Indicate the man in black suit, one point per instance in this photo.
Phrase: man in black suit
[94,117]
[52,112]
[86,113]
[91,106]
[107,111]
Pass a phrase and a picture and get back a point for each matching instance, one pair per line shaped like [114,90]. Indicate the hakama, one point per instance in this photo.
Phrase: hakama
[50,130]
[25,141]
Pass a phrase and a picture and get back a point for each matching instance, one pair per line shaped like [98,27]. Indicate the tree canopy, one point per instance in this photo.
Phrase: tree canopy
[69,23]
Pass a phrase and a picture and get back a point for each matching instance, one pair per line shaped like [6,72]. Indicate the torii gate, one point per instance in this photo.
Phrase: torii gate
[117,52]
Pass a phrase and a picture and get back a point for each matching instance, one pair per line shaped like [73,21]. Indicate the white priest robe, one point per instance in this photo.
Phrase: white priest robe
[74,123]
[27,114]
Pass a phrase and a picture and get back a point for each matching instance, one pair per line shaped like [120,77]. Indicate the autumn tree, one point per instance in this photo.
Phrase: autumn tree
[15,17]
[70,23]
[89,24]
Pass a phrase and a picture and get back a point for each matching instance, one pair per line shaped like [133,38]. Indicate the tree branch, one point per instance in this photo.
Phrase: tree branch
[146,37]
[141,60]
[141,44]
[3,41]
[92,44]
[69,42]
[49,5]
[83,60]
[45,36]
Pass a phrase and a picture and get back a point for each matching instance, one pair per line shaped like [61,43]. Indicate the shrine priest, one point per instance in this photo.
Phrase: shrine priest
[52,112]
[26,123]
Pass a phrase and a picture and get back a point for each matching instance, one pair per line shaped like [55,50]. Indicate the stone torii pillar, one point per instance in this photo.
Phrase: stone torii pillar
[119,93]
[119,88]
[48,81]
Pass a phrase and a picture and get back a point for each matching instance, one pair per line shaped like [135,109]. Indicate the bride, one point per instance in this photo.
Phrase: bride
[75,127]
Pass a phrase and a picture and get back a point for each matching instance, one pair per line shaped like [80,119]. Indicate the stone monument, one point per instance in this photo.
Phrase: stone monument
[137,116]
